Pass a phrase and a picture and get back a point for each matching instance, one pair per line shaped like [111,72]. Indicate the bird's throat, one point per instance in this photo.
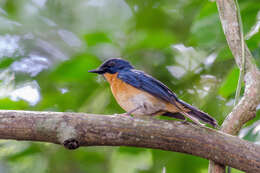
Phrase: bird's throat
[110,77]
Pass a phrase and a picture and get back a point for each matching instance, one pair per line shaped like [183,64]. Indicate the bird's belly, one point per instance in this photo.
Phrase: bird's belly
[130,98]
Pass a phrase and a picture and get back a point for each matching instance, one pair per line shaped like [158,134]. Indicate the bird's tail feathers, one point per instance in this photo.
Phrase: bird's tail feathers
[200,115]
[176,115]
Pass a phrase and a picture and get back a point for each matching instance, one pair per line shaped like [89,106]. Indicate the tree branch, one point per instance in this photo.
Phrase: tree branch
[245,110]
[120,130]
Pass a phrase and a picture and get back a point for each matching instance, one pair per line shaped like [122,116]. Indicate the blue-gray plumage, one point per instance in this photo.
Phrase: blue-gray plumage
[147,83]
[141,94]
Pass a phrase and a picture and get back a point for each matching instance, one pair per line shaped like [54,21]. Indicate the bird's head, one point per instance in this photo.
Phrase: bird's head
[113,66]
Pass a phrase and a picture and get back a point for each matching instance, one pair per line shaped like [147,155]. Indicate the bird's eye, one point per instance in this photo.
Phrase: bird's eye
[111,64]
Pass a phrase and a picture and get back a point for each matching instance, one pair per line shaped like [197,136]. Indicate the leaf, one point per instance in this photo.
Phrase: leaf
[206,28]
[93,39]
[224,54]
[154,39]
[6,62]
[76,69]
[8,104]
[229,85]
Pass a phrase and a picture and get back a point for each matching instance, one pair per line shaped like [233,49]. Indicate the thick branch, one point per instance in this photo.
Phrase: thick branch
[246,108]
[120,130]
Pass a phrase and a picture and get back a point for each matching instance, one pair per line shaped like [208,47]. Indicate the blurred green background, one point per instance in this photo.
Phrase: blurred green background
[47,47]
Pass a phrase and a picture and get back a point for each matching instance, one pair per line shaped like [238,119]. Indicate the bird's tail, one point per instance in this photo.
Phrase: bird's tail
[198,114]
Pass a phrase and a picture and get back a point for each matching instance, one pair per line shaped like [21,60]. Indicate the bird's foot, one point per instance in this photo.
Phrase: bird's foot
[185,121]
[132,111]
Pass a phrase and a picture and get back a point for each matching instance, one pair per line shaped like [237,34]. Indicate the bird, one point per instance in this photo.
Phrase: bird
[140,94]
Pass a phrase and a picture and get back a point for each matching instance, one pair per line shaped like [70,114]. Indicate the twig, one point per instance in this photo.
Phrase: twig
[242,68]
[245,110]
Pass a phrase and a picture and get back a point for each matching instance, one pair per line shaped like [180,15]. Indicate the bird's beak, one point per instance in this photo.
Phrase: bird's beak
[98,71]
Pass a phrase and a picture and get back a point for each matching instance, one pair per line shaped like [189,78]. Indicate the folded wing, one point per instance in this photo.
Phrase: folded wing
[147,83]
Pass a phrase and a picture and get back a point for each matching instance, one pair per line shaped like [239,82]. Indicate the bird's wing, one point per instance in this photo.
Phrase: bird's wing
[143,81]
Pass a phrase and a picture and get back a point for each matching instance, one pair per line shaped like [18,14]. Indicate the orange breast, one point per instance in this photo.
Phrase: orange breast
[129,97]
[122,92]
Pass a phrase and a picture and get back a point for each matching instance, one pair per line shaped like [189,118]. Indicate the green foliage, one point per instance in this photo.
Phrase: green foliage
[93,39]
[47,47]
[229,85]
[8,104]
[5,62]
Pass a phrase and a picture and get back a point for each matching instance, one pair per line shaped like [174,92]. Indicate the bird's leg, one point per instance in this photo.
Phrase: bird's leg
[132,111]
[185,120]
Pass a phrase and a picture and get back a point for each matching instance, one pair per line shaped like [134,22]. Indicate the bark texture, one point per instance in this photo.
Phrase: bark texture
[121,130]
[245,110]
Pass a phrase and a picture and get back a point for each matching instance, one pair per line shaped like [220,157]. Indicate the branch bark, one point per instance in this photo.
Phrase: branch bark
[120,130]
[245,110]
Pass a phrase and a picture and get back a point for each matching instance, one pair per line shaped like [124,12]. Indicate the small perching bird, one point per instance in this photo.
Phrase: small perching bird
[140,94]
